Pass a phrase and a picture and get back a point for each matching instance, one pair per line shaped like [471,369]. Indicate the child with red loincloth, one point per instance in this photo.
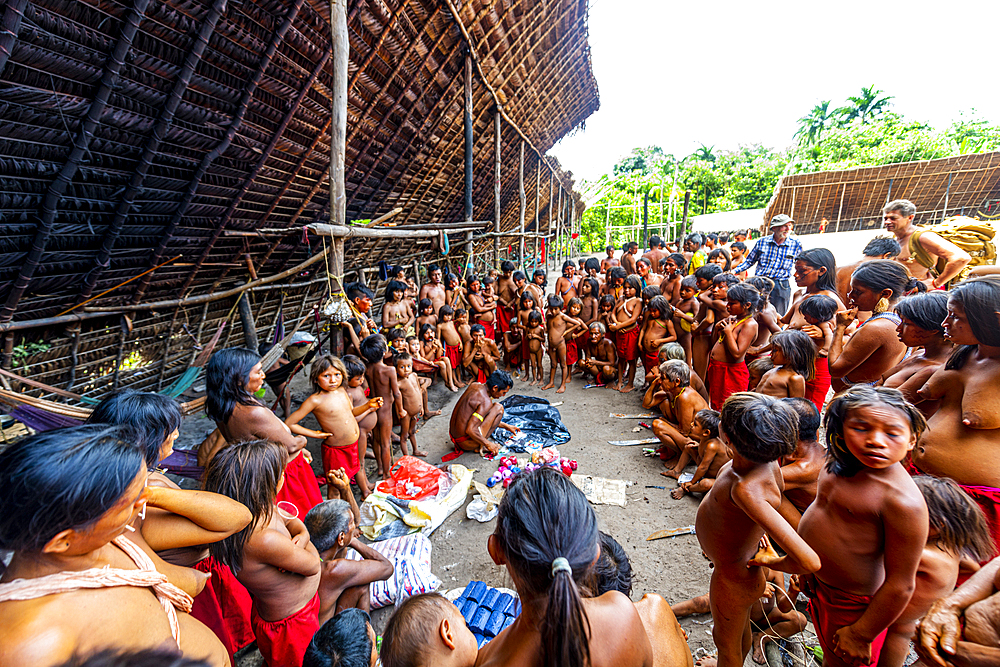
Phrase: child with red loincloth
[334,410]
[449,336]
[626,328]
[818,311]
[657,330]
[589,312]
[869,524]
[273,556]
[560,329]
[359,391]
[430,350]
[573,353]
[727,372]
[483,310]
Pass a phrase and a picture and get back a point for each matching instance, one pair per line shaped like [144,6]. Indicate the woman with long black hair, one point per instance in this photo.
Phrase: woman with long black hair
[231,378]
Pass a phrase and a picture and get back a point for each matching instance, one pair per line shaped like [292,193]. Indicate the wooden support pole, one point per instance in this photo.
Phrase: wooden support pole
[338,148]
[246,319]
[521,200]
[468,136]
[496,186]
[538,175]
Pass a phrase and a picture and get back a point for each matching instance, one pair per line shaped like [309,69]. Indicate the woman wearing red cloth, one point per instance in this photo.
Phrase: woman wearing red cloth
[962,440]
[231,378]
[727,369]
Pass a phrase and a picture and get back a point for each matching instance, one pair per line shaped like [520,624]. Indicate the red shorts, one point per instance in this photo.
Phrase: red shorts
[627,344]
[342,457]
[224,606]
[650,361]
[504,316]
[819,386]
[583,342]
[724,379]
[454,354]
[832,609]
[283,643]
[572,354]
[490,329]
[300,488]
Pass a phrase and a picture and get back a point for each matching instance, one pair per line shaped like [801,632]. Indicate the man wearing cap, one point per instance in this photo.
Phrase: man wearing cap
[774,256]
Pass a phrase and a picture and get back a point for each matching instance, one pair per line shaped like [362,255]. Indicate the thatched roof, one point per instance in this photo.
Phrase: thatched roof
[138,131]
[852,199]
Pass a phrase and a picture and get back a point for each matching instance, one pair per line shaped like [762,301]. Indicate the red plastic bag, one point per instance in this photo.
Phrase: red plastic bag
[412,479]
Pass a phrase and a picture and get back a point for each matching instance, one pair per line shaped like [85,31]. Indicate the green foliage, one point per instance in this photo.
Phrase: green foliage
[26,349]
[862,132]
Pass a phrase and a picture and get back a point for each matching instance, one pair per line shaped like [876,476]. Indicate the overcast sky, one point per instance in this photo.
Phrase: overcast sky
[679,74]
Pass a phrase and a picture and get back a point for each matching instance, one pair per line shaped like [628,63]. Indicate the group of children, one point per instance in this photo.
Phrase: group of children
[741,394]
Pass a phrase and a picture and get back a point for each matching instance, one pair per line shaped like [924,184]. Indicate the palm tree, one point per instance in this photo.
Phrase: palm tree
[705,153]
[869,103]
[811,125]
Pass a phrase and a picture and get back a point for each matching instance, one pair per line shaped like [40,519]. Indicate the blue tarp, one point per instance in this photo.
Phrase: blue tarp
[540,421]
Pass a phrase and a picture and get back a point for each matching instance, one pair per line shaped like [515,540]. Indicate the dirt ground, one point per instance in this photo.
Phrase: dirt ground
[671,567]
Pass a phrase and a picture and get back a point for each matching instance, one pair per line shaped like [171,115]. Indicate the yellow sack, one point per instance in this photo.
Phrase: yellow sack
[969,234]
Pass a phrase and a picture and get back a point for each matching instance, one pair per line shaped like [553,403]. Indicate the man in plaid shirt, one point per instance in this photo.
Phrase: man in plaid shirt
[774,256]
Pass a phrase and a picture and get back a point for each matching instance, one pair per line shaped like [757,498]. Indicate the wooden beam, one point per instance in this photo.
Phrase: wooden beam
[345,232]
[13,13]
[190,301]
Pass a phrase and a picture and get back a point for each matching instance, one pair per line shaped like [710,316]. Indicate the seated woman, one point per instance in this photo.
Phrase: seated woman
[546,536]
[613,572]
[77,583]
[178,524]
[231,378]
[874,347]
[962,437]
[921,327]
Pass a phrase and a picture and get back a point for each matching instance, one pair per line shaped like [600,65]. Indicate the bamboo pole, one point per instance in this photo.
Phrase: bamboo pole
[548,223]
[496,185]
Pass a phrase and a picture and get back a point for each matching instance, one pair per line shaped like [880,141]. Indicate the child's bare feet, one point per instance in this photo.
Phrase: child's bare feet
[548,386]
[677,493]
[696,605]
[432,413]
[673,472]
[707,661]
[627,388]
[417,452]
[758,640]
[452,388]
[561,388]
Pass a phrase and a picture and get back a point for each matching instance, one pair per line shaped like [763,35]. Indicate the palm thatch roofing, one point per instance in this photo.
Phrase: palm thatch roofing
[852,199]
[196,132]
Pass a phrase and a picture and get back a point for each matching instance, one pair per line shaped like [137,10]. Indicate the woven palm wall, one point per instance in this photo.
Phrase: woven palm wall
[853,199]
[142,131]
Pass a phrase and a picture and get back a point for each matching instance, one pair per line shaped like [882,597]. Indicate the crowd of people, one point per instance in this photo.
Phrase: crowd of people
[841,434]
